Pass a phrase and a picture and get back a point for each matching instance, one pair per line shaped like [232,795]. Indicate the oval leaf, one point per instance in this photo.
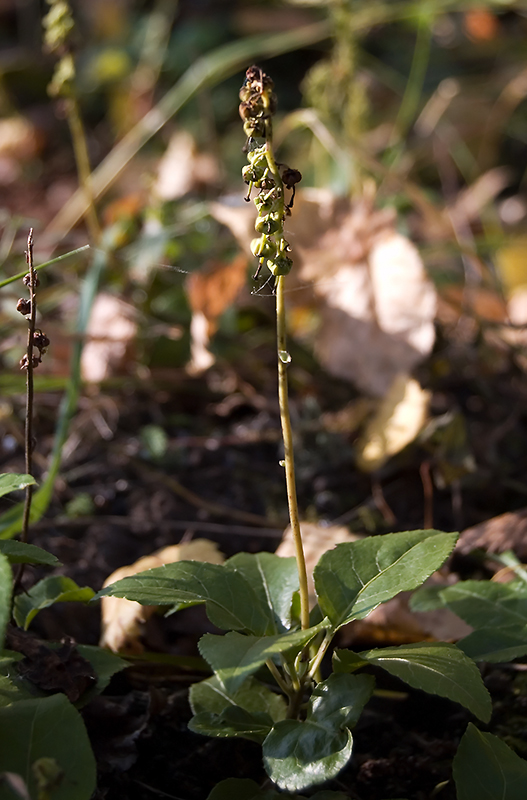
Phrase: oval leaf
[48,728]
[301,754]
[22,553]
[55,589]
[486,604]
[210,695]
[485,768]
[436,668]
[11,482]
[495,644]
[233,722]
[230,601]
[274,579]
[354,578]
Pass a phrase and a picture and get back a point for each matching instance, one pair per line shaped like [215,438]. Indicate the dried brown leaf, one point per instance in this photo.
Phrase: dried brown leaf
[110,336]
[210,292]
[375,304]
[505,532]
[398,420]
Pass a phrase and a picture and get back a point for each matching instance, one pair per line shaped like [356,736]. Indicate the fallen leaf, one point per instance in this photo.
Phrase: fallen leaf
[61,670]
[496,535]
[182,169]
[122,620]
[210,292]
[375,303]
[19,142]
[110,336]
[398,420]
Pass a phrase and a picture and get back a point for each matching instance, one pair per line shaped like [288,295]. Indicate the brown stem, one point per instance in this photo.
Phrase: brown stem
[28,437]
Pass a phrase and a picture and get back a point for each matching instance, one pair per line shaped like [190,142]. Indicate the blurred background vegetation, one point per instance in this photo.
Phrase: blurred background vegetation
[419,106]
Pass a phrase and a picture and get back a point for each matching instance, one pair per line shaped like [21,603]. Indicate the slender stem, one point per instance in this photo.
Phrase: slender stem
[28,435]
[287,433]
[78,136]
[29,383]
[314,671]
[20,275]
[275,672]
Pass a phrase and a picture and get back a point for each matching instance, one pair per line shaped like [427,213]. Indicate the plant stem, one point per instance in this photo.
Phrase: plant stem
[275,672]
[287,433]
[29,384]
[78,136]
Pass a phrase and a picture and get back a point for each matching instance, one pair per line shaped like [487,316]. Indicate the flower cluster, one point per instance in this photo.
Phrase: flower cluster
[258,104]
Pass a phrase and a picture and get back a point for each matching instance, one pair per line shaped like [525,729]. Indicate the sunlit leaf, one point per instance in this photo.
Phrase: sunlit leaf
[273,578]
[353,579]
[302,754]
[234,656]
[11,482]
[299,754]
[231,603]
[434,667]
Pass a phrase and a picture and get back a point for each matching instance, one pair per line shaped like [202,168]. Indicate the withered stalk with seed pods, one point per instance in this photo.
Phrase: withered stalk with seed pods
[37,344]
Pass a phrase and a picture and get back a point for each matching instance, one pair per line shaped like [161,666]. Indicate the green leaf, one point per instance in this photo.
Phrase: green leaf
[234,656]
[12,482]
[339,700]
[22,553]
[485,768]
[6,585]
[233,721]
[435,667]
[230,601]
[55,589]
[428,598]
[354,578]
[485,604]
[51,728]
[495,644]
[13,688]
[274,580]
[105,664]
[301,754]
[210,695]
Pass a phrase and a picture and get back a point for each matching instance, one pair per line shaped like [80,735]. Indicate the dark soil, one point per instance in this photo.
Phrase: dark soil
[228,454]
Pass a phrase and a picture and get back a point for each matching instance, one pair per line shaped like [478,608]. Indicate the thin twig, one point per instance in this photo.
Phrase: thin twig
[29,366]
[29,443]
